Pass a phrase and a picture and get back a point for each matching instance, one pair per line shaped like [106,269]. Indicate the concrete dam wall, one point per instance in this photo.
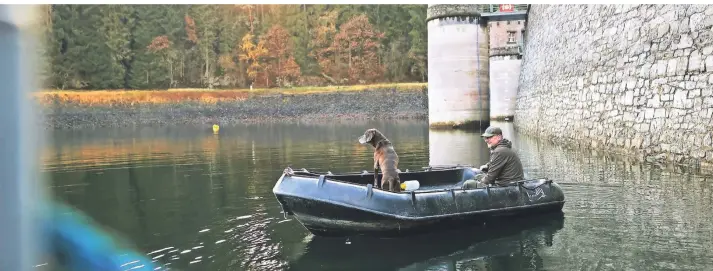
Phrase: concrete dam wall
[634,79]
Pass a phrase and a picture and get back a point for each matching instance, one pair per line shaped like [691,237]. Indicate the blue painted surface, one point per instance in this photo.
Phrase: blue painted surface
[77,244]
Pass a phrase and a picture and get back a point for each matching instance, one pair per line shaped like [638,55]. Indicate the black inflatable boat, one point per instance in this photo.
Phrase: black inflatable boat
[346,204]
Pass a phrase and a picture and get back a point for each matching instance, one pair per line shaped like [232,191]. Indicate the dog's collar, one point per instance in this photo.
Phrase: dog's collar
[382,142]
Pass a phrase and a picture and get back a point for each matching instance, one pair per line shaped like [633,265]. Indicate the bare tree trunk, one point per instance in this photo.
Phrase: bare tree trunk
[378,18]
[48,9]
[329,78]
[279,71]
[306,22]
[251,19]
[170,72]
[336,61]
[207,70]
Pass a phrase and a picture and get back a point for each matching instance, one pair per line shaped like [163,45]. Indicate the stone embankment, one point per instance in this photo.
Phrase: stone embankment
[634,79]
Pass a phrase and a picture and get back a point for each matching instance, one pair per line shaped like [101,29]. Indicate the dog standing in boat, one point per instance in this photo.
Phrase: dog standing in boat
[385,158]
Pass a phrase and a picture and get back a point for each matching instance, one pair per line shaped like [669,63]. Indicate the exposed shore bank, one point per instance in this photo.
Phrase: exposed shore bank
[77,110]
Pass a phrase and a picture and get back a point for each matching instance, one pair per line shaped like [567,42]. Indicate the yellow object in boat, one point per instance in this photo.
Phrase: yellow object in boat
[410,185]
[216,128]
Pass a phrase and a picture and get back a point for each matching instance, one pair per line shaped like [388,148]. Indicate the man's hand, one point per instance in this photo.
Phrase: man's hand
[483,168]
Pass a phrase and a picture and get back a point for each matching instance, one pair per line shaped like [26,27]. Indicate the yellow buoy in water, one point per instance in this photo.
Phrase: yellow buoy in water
[216,128]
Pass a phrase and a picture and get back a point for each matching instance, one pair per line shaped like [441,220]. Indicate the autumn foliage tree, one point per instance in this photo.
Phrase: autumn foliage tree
[189,46]
[190,29]
[281,65]
[355,50]
[163,47]
[253,54]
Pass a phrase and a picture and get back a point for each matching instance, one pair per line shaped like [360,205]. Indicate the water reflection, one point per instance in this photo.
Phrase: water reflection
[657,218]
[507,127]
[448,147]
[198,201]
[499,246]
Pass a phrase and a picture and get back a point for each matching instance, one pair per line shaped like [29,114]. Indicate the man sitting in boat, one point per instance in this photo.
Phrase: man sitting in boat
[504,165]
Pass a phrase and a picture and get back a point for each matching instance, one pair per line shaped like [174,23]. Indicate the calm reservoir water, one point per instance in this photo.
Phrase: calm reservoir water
[193,200]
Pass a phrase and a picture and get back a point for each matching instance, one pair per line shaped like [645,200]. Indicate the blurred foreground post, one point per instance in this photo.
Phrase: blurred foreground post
[20,192]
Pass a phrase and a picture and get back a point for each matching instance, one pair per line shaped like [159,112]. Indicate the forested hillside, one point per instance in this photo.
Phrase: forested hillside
[231,46]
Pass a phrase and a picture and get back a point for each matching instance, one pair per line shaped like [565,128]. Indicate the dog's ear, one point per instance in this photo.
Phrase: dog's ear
[369,135]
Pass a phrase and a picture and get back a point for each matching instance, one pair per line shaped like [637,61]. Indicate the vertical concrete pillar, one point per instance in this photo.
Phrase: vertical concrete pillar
[504,78]
[458,64]
[506,45]
[21,193]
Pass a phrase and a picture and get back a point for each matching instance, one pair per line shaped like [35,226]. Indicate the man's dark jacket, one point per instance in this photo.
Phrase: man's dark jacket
[504,165]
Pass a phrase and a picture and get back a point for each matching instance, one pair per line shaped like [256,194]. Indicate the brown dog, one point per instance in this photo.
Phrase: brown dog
[385,157]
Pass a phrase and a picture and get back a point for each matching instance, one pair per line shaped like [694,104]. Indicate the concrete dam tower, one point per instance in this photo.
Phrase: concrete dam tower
[507,34]
[458,67]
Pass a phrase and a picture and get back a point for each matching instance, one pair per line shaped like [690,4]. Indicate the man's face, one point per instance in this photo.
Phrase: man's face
[492,141]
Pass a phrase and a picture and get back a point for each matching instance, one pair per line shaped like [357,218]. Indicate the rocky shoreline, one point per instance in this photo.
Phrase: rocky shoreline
[388,103]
